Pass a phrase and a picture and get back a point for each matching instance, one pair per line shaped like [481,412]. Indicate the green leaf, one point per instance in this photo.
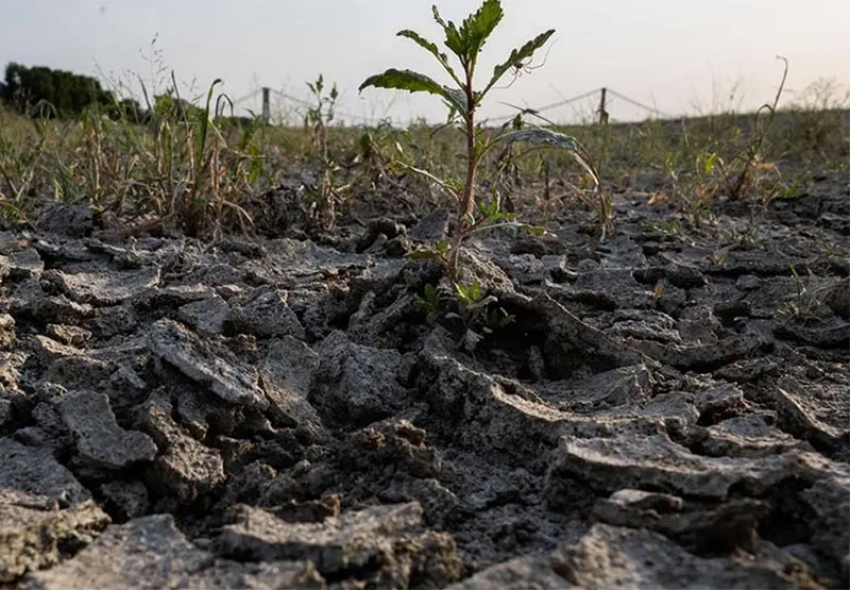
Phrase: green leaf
[432,49]
[518,56]
[416,82]
[453,40]
[425,254]
[476,28]
[538,136]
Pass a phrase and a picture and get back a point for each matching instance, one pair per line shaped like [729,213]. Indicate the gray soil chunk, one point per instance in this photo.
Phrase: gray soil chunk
[73,221]
[723,527]
[830,500]
[35,471]
[656,462]
[29,299]
[720,400]
[79,372]
[183,350]
[98,437]
[35,533]
[610,557]
[150,553]
[129,499]
[748,436]
[432,227]
[286,373]
[819,414]
[7,329]
[267,315]
[704,357]
[207,317]
[480,411]
[7,412]
[21,265]
[356,383]
[186,467]
[383,535]
[106,287]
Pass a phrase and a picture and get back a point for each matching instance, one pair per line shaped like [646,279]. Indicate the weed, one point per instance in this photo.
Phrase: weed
[316,121]
[694,184]
[752,161]
[468,304]
[466,42]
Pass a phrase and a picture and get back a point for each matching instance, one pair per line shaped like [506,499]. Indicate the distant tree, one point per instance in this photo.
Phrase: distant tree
[69,94]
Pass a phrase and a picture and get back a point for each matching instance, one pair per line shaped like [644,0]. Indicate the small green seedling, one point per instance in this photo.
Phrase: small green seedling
[463,100]
[317,120]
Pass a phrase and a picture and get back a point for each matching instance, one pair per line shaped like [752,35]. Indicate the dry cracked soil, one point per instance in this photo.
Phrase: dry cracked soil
[661,412]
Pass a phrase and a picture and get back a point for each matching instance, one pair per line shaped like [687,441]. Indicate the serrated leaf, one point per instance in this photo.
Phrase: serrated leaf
[415,82]
[537,136]
[432,49]
[453,40]
[476,28]
[518,56]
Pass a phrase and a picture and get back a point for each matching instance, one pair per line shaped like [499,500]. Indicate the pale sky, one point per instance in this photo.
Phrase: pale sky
[680,56]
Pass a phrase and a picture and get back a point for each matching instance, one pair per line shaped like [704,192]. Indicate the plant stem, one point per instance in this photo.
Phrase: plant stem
[466,209]
[468,198]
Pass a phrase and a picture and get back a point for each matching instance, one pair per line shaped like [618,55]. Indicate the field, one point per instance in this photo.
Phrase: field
[238,355]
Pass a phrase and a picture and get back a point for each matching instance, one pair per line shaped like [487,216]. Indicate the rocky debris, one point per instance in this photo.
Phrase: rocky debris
[206,317]
[616,557]
[502,415]
[48,350]
[608,389]
[266,315]
[381,543]
[150,553]
[656,462]
[721,401]
[30,301]
[185,467]
[105,287]
[125,499]
[328,506]
[649,389]
[645,325]
[99,439]
[34,471]
[7,411]
[175,295]
[35,533]
[829,501]
[356,383]
[7,330]
[747,436]
[432,227]
[833,335]
[706,357]
[820,414]
[21,265]
[396,443]
[73,221]
[720,528]
[70,335]
[287,373]
[178,347]
[370,324]
[78,371]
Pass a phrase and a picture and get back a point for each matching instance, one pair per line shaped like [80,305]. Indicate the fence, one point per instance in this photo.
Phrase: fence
[606,98]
